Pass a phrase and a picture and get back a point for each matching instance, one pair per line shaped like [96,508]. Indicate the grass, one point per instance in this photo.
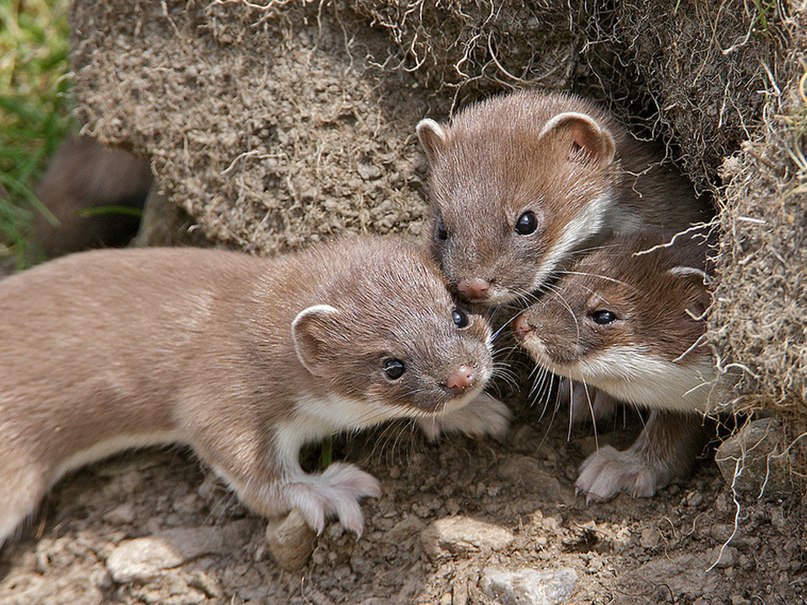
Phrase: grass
[35,103]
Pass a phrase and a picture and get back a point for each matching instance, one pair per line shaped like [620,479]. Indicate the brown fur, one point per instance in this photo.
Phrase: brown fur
[82,175]
[111,344]
[647,356]
[655,308]
[493,165]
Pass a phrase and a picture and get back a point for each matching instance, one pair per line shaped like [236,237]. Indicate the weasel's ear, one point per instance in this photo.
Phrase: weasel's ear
[700,299]
[310,333]
[433,137]
[583,134]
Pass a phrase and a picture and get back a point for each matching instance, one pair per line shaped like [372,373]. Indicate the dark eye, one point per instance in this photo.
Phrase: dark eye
[394,368]
[527,223]
[460,318]
[440,231]
[603,317]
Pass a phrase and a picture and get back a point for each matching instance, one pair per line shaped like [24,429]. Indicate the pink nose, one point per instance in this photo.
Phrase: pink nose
[460,379]
[474,289]
[521,326]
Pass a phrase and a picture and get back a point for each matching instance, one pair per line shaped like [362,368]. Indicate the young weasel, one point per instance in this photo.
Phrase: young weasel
[244,359]
[628,319]
[522,182]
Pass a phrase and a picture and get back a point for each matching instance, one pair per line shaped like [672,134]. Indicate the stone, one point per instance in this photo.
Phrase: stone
[291,541]
[680,575]
[754,461]
[529,586]
[463,535]
[120,515]
[723,557]
[143,559]
[407,527]
[650,537]
[531,475]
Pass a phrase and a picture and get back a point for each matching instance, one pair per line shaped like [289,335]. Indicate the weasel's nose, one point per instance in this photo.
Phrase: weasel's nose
[475,288]
[460,379]
[521,326]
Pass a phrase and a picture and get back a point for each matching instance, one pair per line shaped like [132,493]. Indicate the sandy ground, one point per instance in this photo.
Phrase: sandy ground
[663,550]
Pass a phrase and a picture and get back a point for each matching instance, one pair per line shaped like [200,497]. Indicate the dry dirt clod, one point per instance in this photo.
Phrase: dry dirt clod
[532,476]
[291,541]
[754,461]
[459,535]
[143,559]
[529,586]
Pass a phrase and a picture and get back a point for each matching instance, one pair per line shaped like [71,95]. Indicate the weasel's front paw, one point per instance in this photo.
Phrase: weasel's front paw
[334,493]
[483,415]
[586,403]
[607,472]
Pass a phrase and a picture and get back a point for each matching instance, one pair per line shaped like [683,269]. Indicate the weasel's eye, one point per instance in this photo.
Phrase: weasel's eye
[527,223]
[440,231]
[603,317]
[394,368]
[460,318]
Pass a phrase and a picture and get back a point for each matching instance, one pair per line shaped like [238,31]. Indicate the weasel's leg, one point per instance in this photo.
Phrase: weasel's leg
[270,484]
[483,415]
[333,493]
[20,494]
[665,450]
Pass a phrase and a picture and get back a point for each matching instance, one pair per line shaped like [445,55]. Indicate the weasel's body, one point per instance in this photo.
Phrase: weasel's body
[521,183]
[629,322]
[244,359]
[84,188]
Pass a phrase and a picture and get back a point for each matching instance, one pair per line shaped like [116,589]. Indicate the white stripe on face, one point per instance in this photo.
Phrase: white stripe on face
[589,222]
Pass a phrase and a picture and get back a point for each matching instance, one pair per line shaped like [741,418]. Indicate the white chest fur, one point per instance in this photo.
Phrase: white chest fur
[636,376]
[313,419]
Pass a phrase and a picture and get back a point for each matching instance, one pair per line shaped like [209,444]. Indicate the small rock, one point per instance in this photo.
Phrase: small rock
[459,535]
[694,499]
[650,537]
[525,439]
[120,515]
[724,558]
[529,586]
[752,460]
[683,574]
[253,593]
[187,505]
[531,475]
[403,530]
[291,541]
[142,559]
[318,598]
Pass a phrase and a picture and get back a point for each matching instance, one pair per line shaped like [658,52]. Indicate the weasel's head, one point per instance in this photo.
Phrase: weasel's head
[627,324]
[518,184]
[390,333]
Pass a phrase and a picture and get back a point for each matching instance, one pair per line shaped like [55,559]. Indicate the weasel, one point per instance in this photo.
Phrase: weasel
[520,183]
[82,176]
[244,359]
[630,321]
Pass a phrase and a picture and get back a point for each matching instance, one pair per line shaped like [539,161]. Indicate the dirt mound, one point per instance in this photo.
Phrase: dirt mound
[263,125]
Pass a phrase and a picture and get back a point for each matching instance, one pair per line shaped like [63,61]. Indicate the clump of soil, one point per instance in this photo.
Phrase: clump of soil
[265,126]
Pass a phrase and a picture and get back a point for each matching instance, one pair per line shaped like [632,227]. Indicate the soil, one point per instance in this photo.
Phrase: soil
[661,550]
